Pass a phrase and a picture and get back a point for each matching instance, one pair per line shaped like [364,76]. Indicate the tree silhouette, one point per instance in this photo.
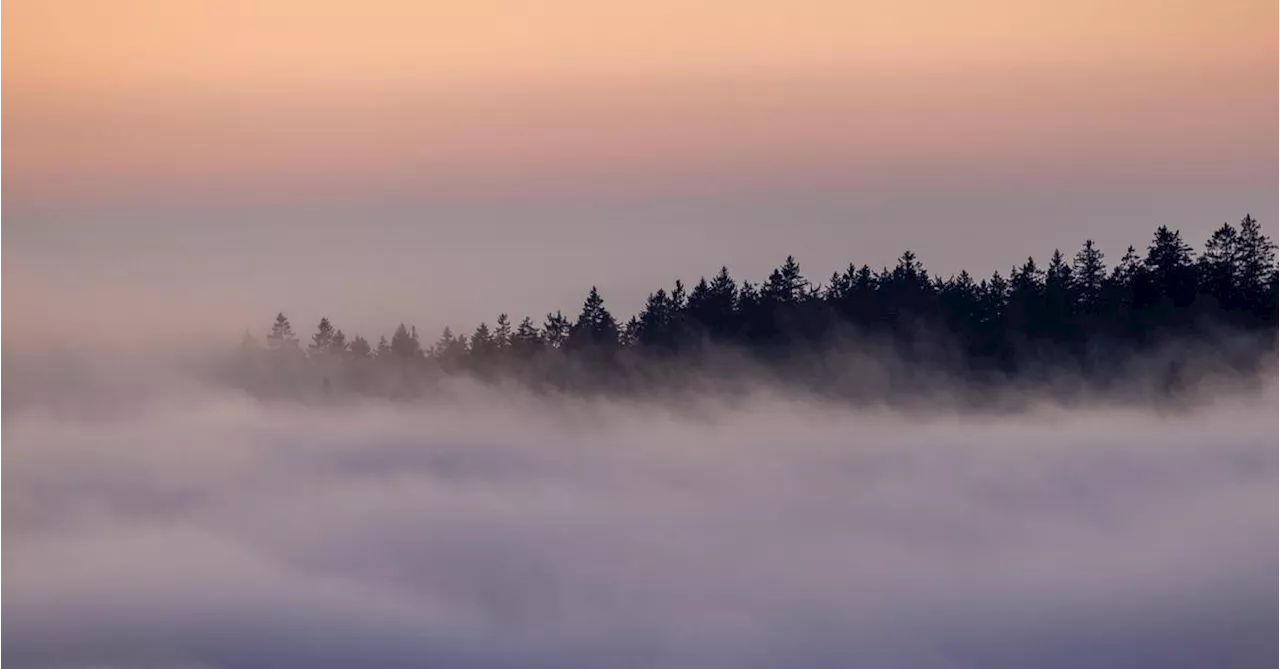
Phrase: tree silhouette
[527,340]
[1070,313]
[1219,274]
[404,343]
[359,349]
[555,330]
[281,336]
[322,340]
[1255,262]
[482,344]
[1090,274]
[1170,268]
[714,308]
[595,327]
[450,351]
[502,333]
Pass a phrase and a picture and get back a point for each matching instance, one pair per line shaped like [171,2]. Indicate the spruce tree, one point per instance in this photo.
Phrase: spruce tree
[338,343]
[1170,268]
[596,327]
[281,336]
[359,349]
[404,343]
[527,340]
[555,330]
[502,333]
[482,345]
[1090,273]
[449,351]
[1255,261]
[653,327]
[1218,269]
[322,340]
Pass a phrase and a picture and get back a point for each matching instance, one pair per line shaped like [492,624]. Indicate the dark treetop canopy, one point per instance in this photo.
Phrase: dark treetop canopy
[1163,314]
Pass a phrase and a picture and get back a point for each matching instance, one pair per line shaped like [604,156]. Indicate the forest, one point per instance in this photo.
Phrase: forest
[1167,317]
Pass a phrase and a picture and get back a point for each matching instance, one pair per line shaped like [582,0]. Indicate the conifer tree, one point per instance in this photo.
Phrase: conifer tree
[653,327]
[555,331]
[338,343]
[596,327]
[482,345]
[630,333]
[502,333]
[1217,267]
[322,340]
[1090,274]
[1255,262]
[786,285]
[527,340]
[712,306]
[1026,294]
[449,350]
[404,343]
[281,336]
[359,349]
[1129,268]
[1169,265]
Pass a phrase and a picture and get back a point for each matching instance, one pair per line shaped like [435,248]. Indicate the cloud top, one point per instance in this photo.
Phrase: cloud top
[516,532]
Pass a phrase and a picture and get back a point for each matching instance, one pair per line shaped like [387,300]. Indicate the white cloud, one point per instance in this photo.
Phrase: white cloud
[222,533]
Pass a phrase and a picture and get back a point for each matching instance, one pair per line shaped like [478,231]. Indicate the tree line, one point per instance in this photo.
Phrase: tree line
[1071,313]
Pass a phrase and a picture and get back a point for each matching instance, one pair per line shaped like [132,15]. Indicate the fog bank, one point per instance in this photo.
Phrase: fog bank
[215,531]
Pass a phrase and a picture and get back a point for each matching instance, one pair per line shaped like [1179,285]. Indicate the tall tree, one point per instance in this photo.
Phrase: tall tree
[1119,295]
[654,325]
[281,336]
[712,306]
[960,301]
[1026,299]
[555,330]
[1170,268]
[338,344]
[1218,268]
[630,333]
[786,285]
[359,349]
[502,333]
[1090,273]
[322,340]
[1256,260]
[482,344]
[449,351]
[527,340]
[1058,309]
[404,343]
[596,327]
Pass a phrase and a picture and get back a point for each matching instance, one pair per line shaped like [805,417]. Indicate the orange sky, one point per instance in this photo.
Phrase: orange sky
[205,163]
[233,47]
[139,97]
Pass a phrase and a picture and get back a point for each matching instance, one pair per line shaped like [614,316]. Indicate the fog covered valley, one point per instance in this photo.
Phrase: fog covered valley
[184,525]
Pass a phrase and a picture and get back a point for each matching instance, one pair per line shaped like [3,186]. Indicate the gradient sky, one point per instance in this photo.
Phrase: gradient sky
[175,165]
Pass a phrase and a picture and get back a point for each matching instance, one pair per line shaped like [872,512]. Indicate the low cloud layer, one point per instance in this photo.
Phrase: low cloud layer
[511,532]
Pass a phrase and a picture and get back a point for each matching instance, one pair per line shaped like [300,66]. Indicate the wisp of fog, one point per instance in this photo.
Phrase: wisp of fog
[508,530]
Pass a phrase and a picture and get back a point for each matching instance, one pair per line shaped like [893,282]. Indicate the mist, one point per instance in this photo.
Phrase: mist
[192,526]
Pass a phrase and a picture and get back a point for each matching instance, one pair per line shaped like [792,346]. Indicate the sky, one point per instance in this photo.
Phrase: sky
[192,166]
